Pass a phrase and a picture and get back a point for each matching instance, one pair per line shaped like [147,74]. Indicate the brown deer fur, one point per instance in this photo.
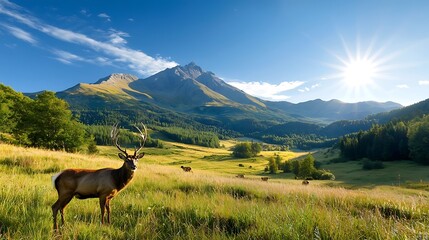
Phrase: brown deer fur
[102,183]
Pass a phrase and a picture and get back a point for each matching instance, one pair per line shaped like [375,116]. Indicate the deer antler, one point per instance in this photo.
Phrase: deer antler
[114,134]
[143,136]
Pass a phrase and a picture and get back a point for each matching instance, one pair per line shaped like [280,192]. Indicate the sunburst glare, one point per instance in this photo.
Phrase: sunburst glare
[358,71]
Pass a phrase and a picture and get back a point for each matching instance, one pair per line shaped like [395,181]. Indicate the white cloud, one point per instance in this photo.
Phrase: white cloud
[424,82]
[21,34]
[85,13]
[117,37]
[266,90]
[134,59]
[308,89]
[66,57]
[403,86]
[105,16]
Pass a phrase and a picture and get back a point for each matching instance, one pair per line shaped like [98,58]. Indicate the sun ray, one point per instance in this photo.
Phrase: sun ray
[360,68]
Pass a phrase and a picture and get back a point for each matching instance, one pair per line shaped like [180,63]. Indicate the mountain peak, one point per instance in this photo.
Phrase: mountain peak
[191,70]
[116,78]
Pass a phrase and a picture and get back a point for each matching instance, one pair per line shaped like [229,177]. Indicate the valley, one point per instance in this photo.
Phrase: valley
[165,202]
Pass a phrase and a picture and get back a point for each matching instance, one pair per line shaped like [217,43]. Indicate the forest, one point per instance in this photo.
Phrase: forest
[47,121]
[390,142]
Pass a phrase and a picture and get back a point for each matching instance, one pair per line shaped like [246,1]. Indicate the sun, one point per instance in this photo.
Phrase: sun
[359,72]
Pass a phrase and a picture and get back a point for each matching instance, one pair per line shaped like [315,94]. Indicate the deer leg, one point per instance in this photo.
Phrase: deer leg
[108,210]
[103,201]
[63,204]
[55,208]
[59,205]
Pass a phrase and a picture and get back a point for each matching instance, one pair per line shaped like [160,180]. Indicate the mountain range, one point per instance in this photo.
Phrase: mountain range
[192,91]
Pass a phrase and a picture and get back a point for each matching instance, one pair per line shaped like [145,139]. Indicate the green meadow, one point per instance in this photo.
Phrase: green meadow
[163,202]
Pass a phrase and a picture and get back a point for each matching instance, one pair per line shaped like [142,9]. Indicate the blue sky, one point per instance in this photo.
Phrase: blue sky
[277,50]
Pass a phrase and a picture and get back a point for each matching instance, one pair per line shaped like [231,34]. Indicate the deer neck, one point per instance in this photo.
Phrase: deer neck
[122,176]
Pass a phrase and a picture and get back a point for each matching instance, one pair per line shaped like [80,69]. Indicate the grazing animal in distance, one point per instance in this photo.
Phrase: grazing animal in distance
[305,182]
[240,176]
[264,179]
[103,184]
[186,169]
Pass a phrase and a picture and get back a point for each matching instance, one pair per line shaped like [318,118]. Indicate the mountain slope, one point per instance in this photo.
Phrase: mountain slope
[191,95]
[112,90]
[334,110]
[404,114]
[189,87]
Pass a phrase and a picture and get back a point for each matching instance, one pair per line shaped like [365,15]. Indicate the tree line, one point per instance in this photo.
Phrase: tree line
[390,142]
[45,122]
[306,168]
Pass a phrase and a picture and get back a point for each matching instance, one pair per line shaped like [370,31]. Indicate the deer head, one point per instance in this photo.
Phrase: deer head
[130,160]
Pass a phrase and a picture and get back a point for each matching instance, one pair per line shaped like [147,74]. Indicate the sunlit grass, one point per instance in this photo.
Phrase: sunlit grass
[163,202]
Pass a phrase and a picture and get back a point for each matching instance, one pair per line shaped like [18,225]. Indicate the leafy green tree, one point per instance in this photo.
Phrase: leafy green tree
[50,124]
[256,148]
[246,149]
[279,160]
[419,140]
[287,166]
[92,146]
[306,167]
[242,150]
[272,165]
[296,167]
[11,105]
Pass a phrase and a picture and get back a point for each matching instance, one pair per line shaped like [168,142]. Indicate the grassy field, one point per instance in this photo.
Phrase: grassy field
[163,202]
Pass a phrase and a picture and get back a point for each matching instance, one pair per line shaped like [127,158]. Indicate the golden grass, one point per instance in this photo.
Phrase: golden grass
[163,202]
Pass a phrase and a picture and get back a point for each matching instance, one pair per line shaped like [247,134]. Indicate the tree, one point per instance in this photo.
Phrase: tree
[49,124]
[287,166]
[419,140]
[92,146]
[296,167]
[11,104]
[255,148]
[246,149]
[306,167]
[279,160]
[272,165]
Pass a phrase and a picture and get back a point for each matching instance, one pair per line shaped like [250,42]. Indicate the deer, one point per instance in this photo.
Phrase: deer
[186,169]
[103,184]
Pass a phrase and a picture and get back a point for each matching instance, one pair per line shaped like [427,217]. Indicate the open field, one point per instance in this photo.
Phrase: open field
[163,202]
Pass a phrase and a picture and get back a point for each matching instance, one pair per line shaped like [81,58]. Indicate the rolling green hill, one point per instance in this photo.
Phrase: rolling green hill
[403,114]
[197,97]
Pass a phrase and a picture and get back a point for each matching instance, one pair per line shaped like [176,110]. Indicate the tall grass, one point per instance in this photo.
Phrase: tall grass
[164,202]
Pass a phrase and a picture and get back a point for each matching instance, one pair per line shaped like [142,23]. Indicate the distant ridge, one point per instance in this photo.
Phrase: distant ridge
[191,90]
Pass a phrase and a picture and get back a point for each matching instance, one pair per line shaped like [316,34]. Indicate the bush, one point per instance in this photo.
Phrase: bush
[327,176]
[246,150]
[369,165]
[323,175]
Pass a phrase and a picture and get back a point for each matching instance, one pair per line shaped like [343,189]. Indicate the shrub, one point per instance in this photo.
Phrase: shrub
[369,165]
[246,150]
[323,175]
[327,176]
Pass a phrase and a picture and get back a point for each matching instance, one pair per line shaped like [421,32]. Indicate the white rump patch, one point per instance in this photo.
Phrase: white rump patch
[54,177]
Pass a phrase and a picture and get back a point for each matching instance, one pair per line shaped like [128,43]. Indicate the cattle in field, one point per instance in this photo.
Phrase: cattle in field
[186,169]
[264,179]
[240,176]
[305,182]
